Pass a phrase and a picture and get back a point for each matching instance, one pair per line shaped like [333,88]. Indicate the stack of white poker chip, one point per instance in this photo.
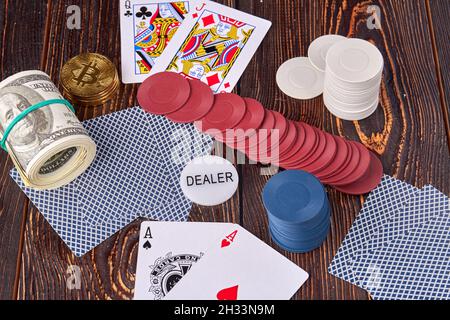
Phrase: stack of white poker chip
[347,71]
[353,75]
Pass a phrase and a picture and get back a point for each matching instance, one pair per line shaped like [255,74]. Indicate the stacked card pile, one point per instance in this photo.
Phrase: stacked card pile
[347,71]
[263,135]
[135,174]
[298,210]
[211,261]
[399,246]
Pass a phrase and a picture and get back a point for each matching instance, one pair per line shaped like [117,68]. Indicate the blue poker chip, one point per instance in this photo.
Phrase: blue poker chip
[297,247]
[302,234]
[303,237]
[322,216]
[298,210]
[295,196]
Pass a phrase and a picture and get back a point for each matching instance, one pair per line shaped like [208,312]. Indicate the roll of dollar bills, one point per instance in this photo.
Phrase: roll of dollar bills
[49,147]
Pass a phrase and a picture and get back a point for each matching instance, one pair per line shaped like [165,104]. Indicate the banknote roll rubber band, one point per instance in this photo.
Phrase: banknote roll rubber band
[24,113]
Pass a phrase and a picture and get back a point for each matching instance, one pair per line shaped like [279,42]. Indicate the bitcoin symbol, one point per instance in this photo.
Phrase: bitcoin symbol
[88,75]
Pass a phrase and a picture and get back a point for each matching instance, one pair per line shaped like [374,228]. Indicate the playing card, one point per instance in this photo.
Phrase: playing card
[214,43]
[146,28]
[416,264]
[423,207]
[239,266]
[167,251]
[183,143]
[128,173]
[61,207]
[380,205]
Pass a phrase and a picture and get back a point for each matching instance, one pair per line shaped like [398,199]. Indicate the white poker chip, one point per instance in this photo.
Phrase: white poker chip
[317,51]
[354,61]
[299,79]
[209,180]
[347,114]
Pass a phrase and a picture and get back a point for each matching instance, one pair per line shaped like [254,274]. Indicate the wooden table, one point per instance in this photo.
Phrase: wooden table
[410,130]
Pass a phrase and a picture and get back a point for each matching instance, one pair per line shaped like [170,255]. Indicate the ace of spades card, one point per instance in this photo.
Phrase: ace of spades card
[167,251]
[214,44]
[147,26]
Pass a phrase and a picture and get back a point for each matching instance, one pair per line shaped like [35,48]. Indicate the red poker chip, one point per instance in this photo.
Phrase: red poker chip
[361,168]
[263,152]
[301,137]
[252,121]
[163,93]
[338,162]
[281,124]
[317,152]
[322,158]
[350,164]
[308,148]
[291,137]
[263,132]
[227,111]
[268,149]
[253,118]
[369,181]
[265,147]
[198,105]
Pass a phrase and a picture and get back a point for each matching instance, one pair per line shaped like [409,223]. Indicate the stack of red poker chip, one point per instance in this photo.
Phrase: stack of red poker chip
[263,135]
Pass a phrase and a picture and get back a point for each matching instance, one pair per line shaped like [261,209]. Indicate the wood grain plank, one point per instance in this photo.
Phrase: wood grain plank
[438,14]
[295,25]
[19,50]
[108,271]
[407,130]
[409,126]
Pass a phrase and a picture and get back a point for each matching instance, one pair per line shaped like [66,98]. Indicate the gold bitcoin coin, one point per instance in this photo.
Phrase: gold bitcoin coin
[89,79]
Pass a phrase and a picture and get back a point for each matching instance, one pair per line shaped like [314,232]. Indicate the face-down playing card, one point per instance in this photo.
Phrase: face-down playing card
[147,26]
[61,207]
[415,264]
[214,44]
[422,208]
[239,266]
[179,144]
[167,251]
[379,207]
[128,175]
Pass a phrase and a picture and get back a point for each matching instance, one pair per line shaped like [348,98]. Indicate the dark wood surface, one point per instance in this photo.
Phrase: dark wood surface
[409,131]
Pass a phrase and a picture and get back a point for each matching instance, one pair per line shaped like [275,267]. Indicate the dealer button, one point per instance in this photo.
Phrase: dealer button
[209,180]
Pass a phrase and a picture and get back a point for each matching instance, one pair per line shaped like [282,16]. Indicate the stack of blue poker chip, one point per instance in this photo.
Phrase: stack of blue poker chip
[298,210]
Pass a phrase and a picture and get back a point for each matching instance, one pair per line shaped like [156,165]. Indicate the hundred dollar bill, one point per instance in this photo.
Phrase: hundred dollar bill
[49,147]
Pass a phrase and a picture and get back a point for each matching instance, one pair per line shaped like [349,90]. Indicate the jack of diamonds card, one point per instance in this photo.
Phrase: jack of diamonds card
[146,29]
[214,44]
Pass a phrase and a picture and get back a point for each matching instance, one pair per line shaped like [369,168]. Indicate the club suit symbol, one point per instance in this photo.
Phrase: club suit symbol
[143,13]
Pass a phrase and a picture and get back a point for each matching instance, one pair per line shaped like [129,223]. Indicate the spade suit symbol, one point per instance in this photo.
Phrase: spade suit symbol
[147,245]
